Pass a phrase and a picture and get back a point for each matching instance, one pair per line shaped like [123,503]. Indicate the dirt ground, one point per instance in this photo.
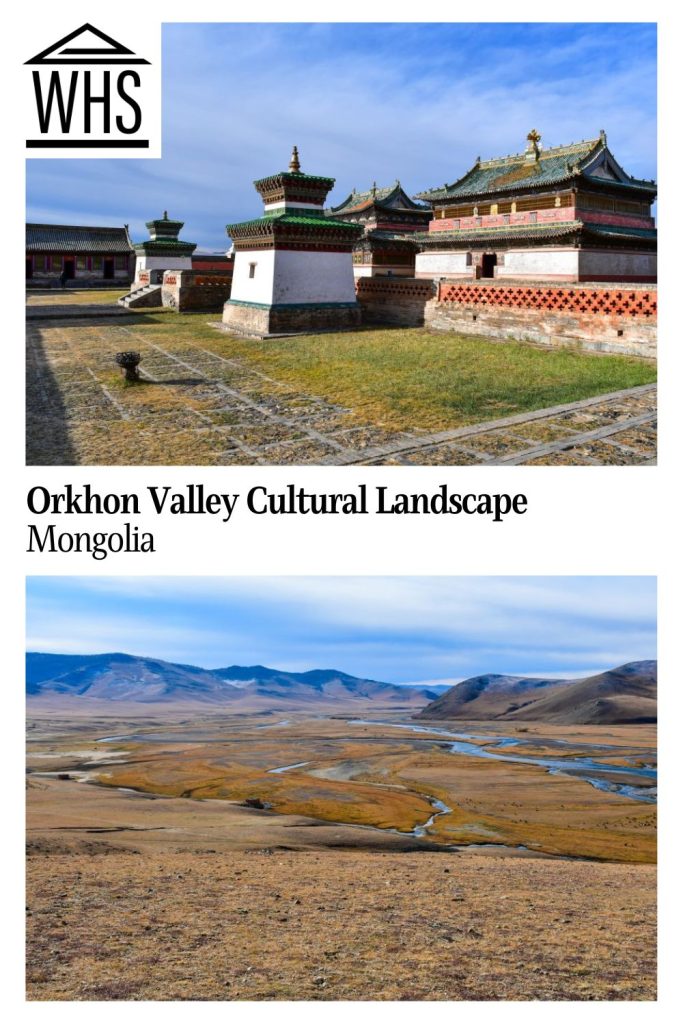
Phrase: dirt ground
[151,922]
[380,397]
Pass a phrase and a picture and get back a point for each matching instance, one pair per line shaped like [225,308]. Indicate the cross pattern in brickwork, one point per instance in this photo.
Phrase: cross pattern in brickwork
[569,300]
[395,289]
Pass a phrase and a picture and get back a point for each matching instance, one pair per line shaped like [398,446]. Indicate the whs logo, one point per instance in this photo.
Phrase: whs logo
[92,93]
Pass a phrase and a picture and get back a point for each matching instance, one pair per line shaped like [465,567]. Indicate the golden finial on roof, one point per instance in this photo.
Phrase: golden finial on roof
[533,149]
[294,165]
[165,214]
[374,189]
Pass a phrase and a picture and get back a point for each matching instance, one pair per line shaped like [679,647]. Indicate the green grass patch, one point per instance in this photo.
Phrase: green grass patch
[412,378]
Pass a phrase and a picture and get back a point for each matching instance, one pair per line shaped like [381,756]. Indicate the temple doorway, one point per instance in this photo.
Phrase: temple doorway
[69,268]
[488,263]
[108,268]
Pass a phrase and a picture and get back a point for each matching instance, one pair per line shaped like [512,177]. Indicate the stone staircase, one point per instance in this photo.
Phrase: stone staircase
[147,295]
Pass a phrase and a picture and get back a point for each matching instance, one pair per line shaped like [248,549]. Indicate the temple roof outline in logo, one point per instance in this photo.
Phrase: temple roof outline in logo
[113,53]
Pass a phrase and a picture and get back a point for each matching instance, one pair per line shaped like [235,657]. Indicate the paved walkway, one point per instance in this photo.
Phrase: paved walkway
[616,429]
[219,411]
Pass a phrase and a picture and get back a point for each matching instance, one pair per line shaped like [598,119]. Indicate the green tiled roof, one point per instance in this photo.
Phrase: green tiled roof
[553,166]
[294,176]
[392,239]
[638,183]
[615,231]
[380,196]
[67,238]
[504,232]
[306,220]
[508,233]
[163,245]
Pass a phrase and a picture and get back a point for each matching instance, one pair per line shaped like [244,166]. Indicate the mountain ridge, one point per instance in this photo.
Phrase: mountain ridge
[625,694]
[123,677]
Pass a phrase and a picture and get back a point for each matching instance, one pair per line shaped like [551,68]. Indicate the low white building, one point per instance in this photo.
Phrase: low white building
[293,266]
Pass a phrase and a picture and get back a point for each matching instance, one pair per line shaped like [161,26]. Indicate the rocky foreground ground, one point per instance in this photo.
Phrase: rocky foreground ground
[110,922]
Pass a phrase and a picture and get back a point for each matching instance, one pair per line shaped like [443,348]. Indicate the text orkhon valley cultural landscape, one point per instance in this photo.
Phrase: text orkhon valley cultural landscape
[196,500]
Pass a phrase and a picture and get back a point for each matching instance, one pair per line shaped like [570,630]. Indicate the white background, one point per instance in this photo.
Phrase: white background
[142,37]
[580,520]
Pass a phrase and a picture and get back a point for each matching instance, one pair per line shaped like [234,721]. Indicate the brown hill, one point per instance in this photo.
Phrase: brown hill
[627,694]
[490,696]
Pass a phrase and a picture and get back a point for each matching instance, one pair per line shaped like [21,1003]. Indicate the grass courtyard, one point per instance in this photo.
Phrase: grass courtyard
[211,398]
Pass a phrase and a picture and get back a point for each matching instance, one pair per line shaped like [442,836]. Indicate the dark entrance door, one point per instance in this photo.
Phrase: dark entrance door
[488,262]
[108,267]
[29,267]
[69,267]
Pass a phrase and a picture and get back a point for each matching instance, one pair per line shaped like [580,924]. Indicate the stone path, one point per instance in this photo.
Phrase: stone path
[212,410]
[616,429]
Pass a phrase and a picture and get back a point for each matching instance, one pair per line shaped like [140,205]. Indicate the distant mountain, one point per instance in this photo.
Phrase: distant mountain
[319,683]
[621,695]
[124,677]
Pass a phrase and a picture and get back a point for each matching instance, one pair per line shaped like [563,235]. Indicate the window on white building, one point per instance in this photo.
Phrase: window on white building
[252,270]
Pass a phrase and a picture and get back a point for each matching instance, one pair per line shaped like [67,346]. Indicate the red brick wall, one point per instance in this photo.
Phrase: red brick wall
[611,319]
[604,301]
[498,220]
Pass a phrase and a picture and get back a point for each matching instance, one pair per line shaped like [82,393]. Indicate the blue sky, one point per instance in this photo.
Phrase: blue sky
[396,629]
[363,103]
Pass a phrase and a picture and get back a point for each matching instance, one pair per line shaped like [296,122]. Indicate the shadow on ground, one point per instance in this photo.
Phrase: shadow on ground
[47,419]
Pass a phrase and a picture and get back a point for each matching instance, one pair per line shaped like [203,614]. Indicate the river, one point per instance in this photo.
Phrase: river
[600,776]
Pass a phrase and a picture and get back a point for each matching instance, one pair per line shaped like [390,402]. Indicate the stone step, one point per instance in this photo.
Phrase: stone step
[148,295]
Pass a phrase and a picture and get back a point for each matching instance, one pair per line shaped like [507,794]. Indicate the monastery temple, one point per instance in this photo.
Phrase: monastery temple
[570,213]
[389,218]
[92,255]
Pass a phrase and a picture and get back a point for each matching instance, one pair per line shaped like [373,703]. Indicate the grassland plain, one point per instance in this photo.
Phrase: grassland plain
[211,398]
[172,862]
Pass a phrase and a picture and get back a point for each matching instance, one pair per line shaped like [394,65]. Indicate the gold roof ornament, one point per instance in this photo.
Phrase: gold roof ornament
[533,149]
[294,165]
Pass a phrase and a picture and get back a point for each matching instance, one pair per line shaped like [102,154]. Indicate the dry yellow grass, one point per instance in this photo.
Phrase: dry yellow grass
[106,923]
[213,399]
[135,896]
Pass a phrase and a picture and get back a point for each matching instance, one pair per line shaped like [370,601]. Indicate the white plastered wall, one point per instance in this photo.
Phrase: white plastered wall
[258,288]
[313,277]
[442,264]
[291,277]
[627,265]
[540,264]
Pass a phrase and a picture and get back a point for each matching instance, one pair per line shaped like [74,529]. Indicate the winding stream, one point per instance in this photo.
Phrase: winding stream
[617,779]
[598,775]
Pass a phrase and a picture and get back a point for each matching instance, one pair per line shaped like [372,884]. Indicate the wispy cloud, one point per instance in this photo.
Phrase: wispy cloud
[363,103]
[393,628]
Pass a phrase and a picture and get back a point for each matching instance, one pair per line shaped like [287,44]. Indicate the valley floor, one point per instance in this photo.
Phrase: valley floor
[148,878]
